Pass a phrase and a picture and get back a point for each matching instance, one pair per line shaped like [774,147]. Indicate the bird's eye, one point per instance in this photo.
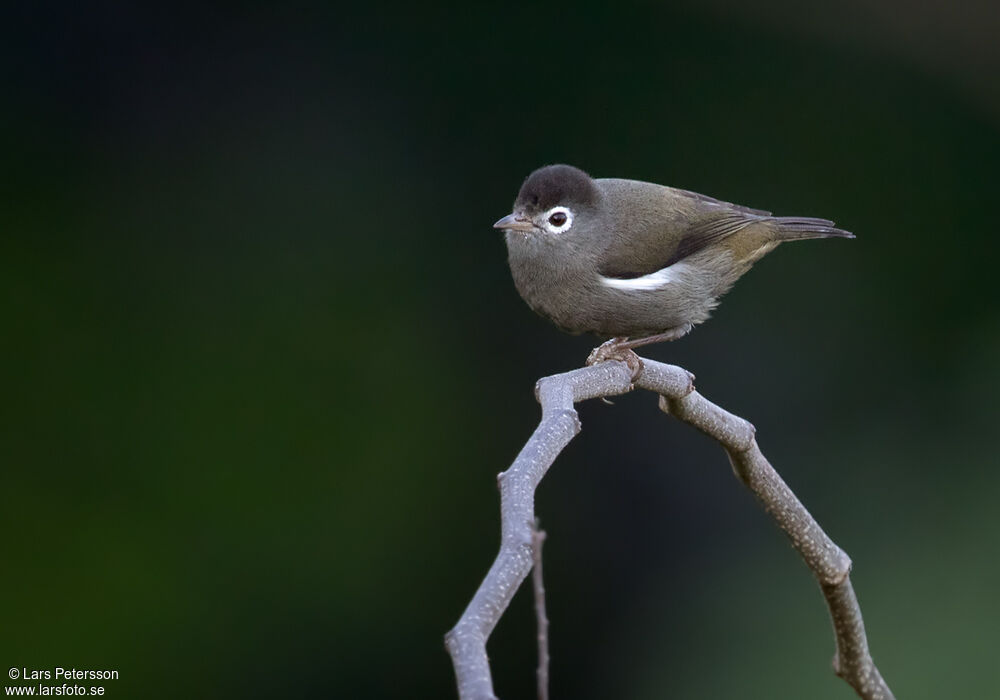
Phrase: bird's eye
[558,219]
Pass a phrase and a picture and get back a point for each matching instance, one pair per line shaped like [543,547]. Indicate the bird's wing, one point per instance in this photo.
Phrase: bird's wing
[719,202]
[658,226]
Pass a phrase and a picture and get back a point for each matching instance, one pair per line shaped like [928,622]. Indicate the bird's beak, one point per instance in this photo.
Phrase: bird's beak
[515,222]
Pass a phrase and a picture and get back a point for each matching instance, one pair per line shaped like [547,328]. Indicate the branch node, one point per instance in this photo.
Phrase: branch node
[842,573]
[577,425]
[664,404]
[689,389]
[749,436]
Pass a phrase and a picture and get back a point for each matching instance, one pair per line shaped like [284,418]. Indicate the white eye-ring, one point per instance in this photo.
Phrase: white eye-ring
[558,220]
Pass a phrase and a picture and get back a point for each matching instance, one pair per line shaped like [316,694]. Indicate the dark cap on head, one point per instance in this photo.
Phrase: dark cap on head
[556,185]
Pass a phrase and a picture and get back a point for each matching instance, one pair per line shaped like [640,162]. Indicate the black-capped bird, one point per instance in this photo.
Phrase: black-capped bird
[634,261]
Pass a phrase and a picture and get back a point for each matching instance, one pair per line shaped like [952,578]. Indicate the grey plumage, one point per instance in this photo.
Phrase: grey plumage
[634,259]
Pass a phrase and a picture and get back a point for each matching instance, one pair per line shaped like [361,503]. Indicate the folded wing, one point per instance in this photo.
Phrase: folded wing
[663,225]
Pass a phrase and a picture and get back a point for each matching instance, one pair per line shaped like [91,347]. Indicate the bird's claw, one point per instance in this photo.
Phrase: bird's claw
[613,350]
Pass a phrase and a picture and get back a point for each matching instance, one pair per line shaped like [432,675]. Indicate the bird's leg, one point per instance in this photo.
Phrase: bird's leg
[672,334]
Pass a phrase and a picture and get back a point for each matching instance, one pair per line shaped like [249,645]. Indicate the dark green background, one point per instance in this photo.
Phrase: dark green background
[263,358]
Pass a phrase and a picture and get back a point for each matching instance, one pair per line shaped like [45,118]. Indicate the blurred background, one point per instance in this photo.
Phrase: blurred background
[263,356]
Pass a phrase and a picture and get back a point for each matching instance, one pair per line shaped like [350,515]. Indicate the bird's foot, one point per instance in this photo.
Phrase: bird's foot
[616,349]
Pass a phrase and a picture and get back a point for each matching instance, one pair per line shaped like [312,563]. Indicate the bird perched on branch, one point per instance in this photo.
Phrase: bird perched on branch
[639,262]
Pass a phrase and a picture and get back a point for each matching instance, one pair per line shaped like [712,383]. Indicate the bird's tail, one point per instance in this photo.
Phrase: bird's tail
[794,228]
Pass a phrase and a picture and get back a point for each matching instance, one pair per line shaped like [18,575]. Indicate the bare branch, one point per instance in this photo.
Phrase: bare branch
[828,562]
[466,642]
[537,540]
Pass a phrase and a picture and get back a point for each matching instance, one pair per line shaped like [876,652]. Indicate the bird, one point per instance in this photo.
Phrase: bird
[634,261]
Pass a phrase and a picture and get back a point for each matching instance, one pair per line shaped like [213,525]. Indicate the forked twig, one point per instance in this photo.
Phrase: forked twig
[466,642]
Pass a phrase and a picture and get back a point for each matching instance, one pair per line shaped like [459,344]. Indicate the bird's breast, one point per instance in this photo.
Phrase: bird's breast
[553,281]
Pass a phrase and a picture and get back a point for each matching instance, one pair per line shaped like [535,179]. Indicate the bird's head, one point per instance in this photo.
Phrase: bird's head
[551,200]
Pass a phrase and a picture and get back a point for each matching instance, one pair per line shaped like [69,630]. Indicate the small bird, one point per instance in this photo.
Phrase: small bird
[634,261]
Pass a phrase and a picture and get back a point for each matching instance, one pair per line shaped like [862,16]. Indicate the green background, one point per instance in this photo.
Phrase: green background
[263,358]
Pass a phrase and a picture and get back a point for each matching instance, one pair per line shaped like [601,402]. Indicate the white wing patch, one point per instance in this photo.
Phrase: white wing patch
[654,280]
